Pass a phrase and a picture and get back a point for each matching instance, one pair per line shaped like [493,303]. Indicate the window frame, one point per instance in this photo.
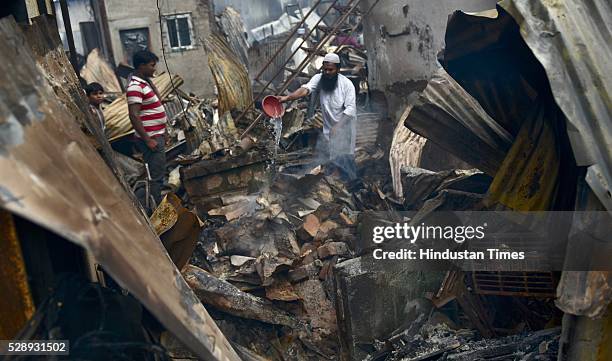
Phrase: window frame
[175,17]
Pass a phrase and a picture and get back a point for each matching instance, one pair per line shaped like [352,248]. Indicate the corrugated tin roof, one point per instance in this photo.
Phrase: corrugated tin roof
[571,39]
[231,76]
[233,27]
[406,150]
[367,129]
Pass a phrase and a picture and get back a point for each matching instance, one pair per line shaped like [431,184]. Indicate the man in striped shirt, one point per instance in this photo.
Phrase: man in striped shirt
[148,117]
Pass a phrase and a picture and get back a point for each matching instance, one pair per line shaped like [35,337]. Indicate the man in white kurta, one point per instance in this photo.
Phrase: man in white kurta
[338,106]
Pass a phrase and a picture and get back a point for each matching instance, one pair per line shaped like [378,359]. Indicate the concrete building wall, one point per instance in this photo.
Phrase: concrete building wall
[403,38]
[192,63]
[80,11]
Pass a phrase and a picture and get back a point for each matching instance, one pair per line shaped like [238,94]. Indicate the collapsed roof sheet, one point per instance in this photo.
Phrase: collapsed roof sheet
[489,58]
[98,70]
[232,26]
[51,175]
[450,117]
[231,76]
[571,39]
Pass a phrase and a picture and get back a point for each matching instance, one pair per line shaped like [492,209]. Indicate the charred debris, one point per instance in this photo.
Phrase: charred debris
[261,256]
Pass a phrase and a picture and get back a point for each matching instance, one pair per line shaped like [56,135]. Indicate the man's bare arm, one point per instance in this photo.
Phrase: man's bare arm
[134,111]
[150,81]
[300,93]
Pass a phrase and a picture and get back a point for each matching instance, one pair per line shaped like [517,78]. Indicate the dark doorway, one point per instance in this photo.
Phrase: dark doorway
[132,41]
[91,36]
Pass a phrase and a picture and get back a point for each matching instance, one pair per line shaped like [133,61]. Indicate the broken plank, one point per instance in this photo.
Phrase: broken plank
[227,298]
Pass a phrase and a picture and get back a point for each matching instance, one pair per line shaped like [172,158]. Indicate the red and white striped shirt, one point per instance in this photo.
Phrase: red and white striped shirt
[152,112]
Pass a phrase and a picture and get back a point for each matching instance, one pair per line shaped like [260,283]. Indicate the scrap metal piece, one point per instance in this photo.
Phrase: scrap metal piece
[523,284]
[54,177]
[178,229]
[584,293]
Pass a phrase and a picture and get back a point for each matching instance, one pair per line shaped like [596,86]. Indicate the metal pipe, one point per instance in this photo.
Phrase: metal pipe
[317,48]
[258,97]
[287,40]
[69,37]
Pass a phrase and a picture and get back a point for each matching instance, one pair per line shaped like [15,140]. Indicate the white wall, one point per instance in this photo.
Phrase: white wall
[403,59]
[191,65]
[80,11]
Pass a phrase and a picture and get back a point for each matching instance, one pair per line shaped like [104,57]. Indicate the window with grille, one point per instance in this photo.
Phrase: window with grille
[179,29]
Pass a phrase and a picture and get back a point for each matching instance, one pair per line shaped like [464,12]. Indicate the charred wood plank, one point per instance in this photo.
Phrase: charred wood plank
[228,298]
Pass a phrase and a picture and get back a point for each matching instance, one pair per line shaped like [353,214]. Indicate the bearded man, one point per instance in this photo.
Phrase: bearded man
[338,106]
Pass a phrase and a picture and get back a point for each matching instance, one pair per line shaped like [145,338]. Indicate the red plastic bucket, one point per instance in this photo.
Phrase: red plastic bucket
[272,107]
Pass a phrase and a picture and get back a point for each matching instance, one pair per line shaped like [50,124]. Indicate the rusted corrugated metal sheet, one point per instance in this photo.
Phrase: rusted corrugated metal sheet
[450,117]
[571,39]
[367,129]
[528,179]
[98,70]
[406,150]
[231,76]
[16,303]
[51,175]
[584,293]
[235,32]
[488,58]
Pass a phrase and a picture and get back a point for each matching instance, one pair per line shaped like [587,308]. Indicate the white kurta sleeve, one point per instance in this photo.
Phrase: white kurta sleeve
[313,83]
[350,101]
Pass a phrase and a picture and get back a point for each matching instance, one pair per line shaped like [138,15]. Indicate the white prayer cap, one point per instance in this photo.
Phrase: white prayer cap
[301,31]
[332,58]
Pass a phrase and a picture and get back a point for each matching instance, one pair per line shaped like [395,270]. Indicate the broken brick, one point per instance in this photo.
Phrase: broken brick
[281,291]
[311,224]
[333,249]
[327,268]
[303,272]
[318,307]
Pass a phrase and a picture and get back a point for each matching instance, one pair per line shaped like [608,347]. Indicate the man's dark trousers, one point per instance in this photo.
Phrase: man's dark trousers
[156,159]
